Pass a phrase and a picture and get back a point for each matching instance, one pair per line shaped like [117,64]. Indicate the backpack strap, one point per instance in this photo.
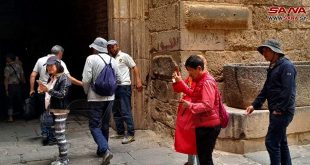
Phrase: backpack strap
[15,73]
[103,59]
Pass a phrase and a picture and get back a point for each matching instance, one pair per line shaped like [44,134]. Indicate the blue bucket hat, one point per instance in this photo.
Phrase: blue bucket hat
[273,44]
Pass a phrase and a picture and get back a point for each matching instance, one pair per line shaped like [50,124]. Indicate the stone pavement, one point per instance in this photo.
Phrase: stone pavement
[20,144]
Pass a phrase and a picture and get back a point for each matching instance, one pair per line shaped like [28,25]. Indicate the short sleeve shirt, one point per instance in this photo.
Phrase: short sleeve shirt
[124,63]
[41,68]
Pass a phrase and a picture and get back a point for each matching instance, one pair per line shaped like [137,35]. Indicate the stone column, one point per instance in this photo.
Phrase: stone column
[127,26]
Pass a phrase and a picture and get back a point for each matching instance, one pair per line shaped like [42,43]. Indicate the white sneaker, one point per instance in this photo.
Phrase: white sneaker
[128,139]
[60,162]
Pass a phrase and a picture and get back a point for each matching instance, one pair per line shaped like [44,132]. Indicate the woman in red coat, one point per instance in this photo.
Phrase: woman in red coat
[185,139]
[204,105]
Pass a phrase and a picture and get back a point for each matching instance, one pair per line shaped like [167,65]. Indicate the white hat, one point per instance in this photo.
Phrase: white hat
[100,44]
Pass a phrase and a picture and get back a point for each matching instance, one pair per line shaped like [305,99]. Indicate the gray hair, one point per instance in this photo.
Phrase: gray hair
[56,49]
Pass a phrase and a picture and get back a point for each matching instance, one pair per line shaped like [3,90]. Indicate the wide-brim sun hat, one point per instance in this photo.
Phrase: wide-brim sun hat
[273,44]
[100,45]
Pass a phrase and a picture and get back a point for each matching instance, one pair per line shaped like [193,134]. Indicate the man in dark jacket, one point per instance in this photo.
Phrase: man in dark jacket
[280,91]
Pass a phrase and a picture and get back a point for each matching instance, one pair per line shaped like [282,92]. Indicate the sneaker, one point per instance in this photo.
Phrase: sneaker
[60,162]
[107,157]
[117,136]
[128,139]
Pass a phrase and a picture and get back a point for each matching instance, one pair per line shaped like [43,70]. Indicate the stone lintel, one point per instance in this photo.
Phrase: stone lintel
[203,15]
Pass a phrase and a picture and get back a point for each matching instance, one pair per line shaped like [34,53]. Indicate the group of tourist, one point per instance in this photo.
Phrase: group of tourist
[198,121]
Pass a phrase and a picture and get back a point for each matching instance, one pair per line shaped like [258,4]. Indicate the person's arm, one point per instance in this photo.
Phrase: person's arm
[75,81]
[138,78]
[32,79]
[72,79]
[208,92]
[288,88]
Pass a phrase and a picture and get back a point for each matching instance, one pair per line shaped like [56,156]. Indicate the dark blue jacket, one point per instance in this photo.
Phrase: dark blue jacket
[279,88]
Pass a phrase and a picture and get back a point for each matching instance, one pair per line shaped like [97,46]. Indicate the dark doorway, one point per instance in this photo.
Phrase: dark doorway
[29,28]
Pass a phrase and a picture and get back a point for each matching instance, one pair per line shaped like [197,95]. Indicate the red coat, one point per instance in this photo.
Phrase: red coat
[185,139]
[204,103]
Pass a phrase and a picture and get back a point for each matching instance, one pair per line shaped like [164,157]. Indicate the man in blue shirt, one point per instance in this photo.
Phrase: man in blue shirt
[280,91]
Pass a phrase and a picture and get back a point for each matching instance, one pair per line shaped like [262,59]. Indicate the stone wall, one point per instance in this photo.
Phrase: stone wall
[223,31]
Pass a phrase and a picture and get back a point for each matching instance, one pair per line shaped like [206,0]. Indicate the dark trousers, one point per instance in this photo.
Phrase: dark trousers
[99,117]
[276,140]
[14,99]
[47,125]
[205,142]
[122,110]
[46,118]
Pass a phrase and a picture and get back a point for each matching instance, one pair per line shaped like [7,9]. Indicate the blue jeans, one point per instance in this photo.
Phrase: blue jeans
[47,121]
[276,140]
[99,117]
[122,110]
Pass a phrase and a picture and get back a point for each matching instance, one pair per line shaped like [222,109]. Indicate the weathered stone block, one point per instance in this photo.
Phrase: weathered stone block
[202,40]
[305,3]
[288,2]
[164,113]
[268,34]
[294,39]
[299,55]
[164,18]
[301,20]
[243,82]
[242,40]
[216,60]
[247,146]
[163,91]
[158,3]
[263,20]
[304,138]
[257,2]
[254,126]
[202,16]
[165,41]
[162,67]
[233,1]
[247,133]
